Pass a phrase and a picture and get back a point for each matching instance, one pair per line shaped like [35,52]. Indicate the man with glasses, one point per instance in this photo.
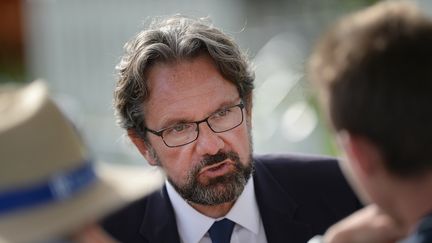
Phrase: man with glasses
[184,96]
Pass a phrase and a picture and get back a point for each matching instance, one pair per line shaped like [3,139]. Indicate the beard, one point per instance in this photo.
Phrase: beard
[222,189]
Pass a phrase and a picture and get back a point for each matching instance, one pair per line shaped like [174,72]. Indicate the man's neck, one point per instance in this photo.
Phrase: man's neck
[214,211]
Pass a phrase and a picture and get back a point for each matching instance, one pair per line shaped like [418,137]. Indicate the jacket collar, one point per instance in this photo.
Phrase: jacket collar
[159,224]
[277,212]
[277,208]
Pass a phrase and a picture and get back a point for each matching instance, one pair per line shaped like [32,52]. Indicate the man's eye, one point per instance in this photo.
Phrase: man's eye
[181,127]
[223,112]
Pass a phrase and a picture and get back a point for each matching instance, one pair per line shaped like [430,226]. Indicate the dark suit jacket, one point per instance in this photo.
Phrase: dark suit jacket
[298,197]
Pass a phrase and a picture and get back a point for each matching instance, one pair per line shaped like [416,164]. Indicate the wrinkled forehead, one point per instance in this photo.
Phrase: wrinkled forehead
[189,86]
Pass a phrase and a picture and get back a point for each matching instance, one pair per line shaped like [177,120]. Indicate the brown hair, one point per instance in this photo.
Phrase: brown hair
[374,71]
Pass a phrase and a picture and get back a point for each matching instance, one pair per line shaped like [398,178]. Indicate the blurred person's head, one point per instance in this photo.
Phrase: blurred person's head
[50,187]
[173,76]
[373,73]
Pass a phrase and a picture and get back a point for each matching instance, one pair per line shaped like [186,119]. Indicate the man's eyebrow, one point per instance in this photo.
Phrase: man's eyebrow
[227,104]
[178,120]
[173,121]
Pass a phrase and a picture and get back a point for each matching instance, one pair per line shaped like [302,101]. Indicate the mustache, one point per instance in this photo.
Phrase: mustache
[219,157]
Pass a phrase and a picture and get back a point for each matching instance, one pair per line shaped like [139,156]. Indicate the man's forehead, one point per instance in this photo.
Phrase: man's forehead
[187,90]
[187,80]
[189,114]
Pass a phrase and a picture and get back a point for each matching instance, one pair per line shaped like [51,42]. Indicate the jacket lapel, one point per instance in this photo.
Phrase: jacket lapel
[159,224]
[277,209]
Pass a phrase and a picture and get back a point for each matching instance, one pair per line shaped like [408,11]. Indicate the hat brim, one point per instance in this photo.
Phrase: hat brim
[117,185]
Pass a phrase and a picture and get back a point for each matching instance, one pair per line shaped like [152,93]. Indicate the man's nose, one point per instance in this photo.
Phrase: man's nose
[208,142]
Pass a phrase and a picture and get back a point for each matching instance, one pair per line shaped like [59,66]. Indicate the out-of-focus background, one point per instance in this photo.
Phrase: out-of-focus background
[75,45]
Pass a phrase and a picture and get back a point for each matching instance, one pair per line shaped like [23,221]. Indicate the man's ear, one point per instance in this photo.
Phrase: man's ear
[142,146]
[363,153]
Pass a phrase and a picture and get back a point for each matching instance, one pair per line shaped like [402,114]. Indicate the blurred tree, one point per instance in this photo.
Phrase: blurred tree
[12,66]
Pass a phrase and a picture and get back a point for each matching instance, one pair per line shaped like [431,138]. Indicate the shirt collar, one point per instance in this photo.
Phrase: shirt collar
[244,213]
[187,216]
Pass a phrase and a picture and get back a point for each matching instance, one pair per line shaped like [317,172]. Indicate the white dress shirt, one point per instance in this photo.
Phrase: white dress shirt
[193,226]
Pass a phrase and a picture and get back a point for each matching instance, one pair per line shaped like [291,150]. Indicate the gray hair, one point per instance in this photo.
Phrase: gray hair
[166,40]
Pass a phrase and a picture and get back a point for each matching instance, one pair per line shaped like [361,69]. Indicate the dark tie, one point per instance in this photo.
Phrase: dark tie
[220,231]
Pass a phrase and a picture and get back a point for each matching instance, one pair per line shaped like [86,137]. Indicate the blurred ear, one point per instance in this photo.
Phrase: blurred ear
[361,152]
[142,146]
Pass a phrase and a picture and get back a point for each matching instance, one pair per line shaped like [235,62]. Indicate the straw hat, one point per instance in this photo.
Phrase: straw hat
[49,186]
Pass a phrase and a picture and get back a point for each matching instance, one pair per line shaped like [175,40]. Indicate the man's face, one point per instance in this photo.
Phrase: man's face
[214,168]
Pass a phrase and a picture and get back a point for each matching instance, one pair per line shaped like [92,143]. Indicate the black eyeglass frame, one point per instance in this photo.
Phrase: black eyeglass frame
[160,132]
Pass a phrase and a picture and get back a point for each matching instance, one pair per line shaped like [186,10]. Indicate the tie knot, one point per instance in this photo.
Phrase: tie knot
[220,231]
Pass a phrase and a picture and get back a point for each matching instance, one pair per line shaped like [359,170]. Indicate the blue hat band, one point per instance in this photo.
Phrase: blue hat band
[59,187]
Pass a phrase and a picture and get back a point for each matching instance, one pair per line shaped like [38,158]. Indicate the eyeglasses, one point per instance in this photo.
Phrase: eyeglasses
[181,134]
